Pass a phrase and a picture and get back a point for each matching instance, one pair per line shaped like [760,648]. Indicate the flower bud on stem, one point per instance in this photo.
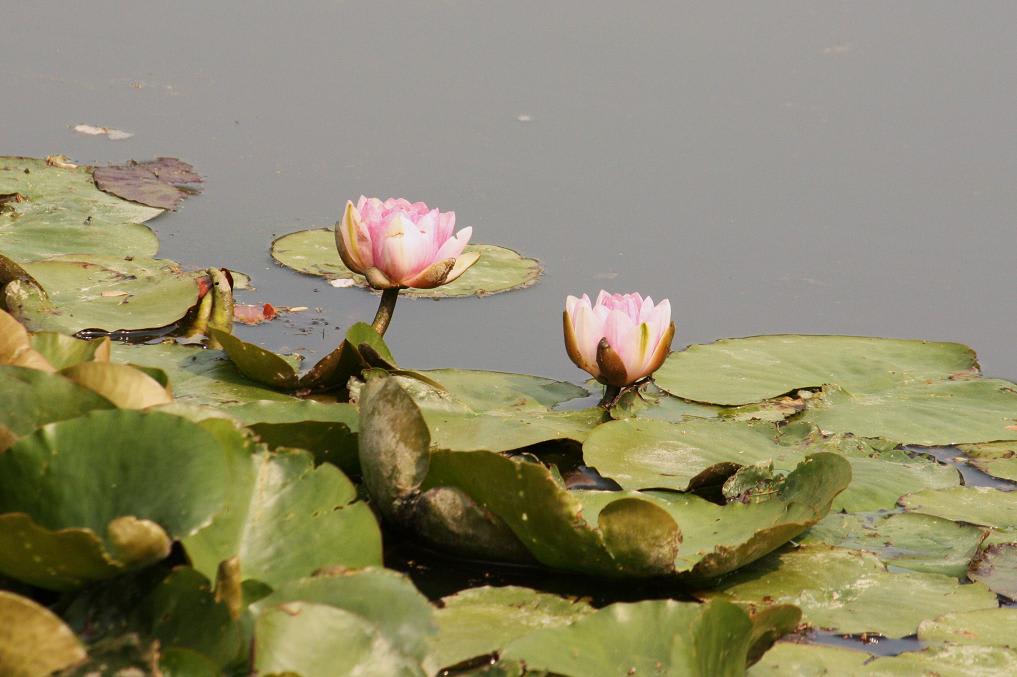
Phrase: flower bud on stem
[385,310]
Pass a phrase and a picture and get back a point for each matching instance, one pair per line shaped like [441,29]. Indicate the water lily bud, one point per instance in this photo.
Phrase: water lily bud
[621,339]
[397,243]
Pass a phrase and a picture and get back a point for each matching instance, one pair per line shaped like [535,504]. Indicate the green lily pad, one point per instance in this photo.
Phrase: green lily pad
[851,591]
[107,293]
[952,660]
[383,597]
[256,363]
[974,505]
[482,621]
[607,533]
[198,376]
[33,640]
[996,567]
[936,413]
[114,487]
[64,213]
[649,401]
[497,411]
[998,459]
[987,627]
[285,518]
[183,613]
[880,479]
[64,351]
[312,639]
[649,454]
[811,660]
[905,540]
[30,398]
[499,269]
[743,371]
[329,431]
[657,637]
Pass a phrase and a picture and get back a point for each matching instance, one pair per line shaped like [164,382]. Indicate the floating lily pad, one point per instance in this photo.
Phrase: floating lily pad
[988,627]
[383,597]
[814,660]
[64,351]
[655,637]
[134,481]
[285,519]
[64,213]
[153,183]
[198,376]
[743,371]
[648,401]
[936,413]
[883,477]
[649,454]
[851,591]
[499,269]
[497,411]
[329,431]
[106,293]
[482,621]
[996,567]
[183,613]
[975,505]
[30,398]
[905,540]
[952,660]
[998,459]
[33,640]
[319,639]
[256,363]
[606,533]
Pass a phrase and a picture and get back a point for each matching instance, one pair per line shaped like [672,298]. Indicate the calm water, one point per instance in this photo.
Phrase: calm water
[770,167]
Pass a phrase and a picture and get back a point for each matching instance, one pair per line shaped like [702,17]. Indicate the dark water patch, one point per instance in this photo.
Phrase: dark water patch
[972,476]
[874,644]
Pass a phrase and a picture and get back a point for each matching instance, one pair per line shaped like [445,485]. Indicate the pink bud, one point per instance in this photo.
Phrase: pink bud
[396,243]
[621,339]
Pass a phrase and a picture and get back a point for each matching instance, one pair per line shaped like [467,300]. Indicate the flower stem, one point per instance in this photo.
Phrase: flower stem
[610,395]
[385,310]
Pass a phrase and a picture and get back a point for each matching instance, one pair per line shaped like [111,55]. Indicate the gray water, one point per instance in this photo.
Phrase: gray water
[769,167]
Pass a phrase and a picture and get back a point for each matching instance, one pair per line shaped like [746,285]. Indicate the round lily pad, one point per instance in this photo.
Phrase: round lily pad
[655,637]
[62,212]
[905,540]
[996,566]
[987,627]
[742,371]
[499,269]
[851,591]
[30,398]
[107,293]
[790,658]
[120,483]
[975,505]
[950,660]
[998,459]
[483,620]
[285,518]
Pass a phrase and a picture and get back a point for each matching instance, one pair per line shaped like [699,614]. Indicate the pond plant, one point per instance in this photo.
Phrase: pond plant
[175,500]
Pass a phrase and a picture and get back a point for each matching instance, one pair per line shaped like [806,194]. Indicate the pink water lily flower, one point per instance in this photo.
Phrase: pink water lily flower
[398,243]
[620,339]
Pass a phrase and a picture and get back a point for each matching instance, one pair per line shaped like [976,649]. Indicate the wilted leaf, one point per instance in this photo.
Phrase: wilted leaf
[34,641]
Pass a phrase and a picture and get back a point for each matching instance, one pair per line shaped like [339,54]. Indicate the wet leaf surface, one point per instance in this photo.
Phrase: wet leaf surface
[284,518]
[851,591]
[996,567]
[499,269]
[743,371]
[988,627]
[907,540]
